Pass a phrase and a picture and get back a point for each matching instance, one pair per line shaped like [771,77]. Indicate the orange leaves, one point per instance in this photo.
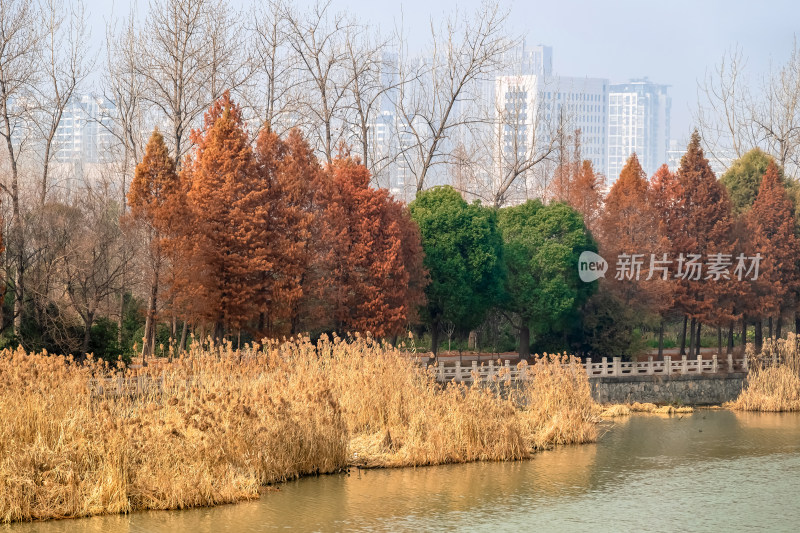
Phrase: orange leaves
[770,230]
[276,244]
[377,268]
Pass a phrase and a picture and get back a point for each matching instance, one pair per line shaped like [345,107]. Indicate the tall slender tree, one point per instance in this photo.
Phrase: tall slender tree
[219,285]
[155,200]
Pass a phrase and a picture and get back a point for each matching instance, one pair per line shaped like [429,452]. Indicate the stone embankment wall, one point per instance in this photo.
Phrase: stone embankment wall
[691,389]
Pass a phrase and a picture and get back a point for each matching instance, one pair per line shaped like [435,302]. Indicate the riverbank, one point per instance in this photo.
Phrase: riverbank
[217,425]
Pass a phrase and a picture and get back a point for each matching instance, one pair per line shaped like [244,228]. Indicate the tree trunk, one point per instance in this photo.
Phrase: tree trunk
[697,339]
[691,338]
[145,337]
[797,322]
[719,340]
[121,320]
[524,343]
[778,326]
[744,331]
[730,338]
[683,335]
[87,333]
[759,339]
[769,327]
[661,341]
[183,337]
[435,338]
[150,324]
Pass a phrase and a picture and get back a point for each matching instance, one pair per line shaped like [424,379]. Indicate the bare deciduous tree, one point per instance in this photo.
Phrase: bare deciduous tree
[434,96]
[20,40]
[65,64]
[318,39]
[186,59]
[733,117]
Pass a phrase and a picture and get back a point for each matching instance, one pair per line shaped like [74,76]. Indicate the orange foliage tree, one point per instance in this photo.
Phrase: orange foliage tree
[377,275]
[218,286]
[629,234]
[771,232]
[700,222]
[155,198]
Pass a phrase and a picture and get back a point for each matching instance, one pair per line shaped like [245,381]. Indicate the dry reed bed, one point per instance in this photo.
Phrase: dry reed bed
[772,388]
[226,422]
[620,409]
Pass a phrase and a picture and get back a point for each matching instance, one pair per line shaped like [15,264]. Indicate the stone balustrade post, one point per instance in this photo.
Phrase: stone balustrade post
[744,363]
[668,364]
[683,364]
[508,370]
[441,371]
[617,369]
[714,364]
[474,371]
[699,363]
[730,362]
[589,367]
[458,371]
[604,371]
[491,368]
[650,365]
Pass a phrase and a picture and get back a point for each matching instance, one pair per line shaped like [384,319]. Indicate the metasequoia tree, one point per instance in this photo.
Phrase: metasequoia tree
[217,286]
[630,236]
[376,269]
[155,199]
[700,223]
[431,90]
[305,193]
[771,232]
[586,193]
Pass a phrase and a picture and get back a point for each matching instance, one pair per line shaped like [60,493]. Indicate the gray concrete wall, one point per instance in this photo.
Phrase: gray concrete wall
[688,389]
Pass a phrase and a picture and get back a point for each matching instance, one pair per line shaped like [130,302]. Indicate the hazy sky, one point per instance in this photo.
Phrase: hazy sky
[673,42]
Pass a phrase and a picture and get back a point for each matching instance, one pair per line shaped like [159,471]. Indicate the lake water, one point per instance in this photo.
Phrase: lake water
[707,471]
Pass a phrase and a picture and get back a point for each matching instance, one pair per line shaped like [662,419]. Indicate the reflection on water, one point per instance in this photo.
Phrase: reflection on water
[711,470]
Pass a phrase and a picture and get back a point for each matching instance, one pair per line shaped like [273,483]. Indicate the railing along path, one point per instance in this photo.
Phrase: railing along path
[606,368]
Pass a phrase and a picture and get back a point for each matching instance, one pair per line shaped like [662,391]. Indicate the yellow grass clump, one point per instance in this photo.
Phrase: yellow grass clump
[217,423]
[772,388]
[618,410]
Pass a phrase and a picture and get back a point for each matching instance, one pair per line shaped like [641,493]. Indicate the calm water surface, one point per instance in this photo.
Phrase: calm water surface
[707,471]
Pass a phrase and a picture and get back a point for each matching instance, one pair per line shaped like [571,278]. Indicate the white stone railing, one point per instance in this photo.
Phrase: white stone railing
[613,368]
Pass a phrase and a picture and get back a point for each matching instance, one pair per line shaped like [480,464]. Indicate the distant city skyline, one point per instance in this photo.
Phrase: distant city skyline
[672,43]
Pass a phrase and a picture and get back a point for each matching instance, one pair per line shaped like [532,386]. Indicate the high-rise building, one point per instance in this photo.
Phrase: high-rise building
[84,133]
[536,107]
[638,121]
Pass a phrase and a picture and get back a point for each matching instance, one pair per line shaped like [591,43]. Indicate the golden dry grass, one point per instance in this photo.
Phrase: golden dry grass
[223,423]
[772,388]
[618,410]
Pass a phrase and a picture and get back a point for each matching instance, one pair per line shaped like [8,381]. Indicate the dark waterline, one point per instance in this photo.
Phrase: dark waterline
[709,471]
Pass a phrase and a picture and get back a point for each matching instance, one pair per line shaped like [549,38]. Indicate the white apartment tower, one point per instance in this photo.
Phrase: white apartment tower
[531,108]
[84,133]
[638,121]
